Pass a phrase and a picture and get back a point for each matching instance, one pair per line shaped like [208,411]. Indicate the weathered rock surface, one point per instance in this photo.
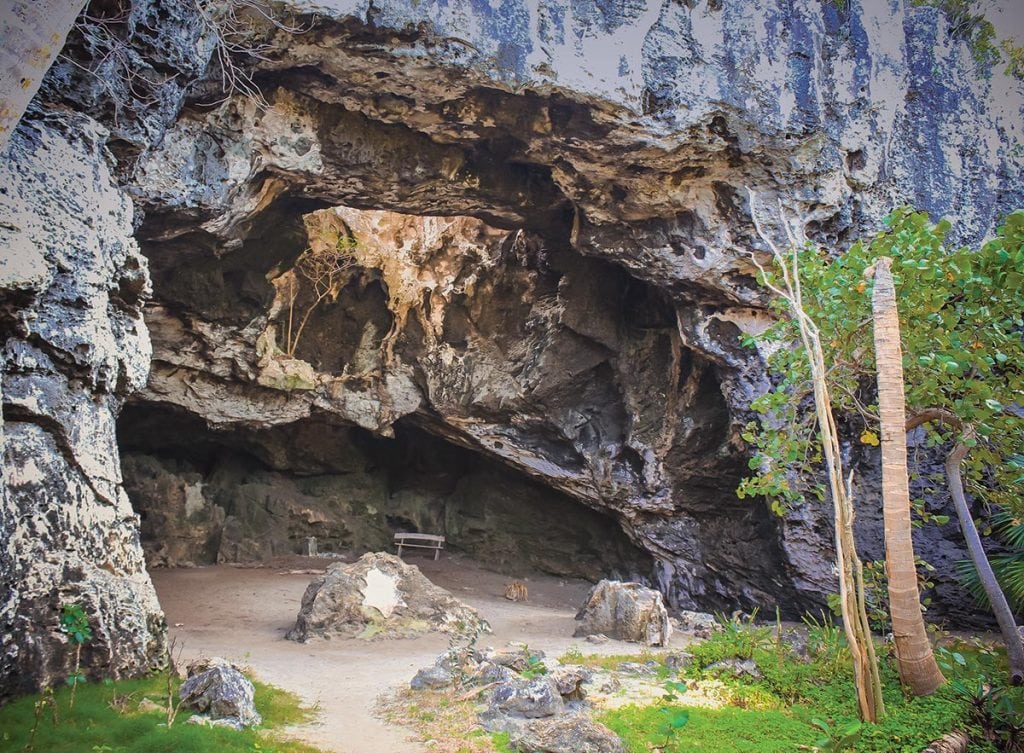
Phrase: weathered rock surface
[571,308]
[735,668]
[217,688]
[567,734]
[74,347]
[380,596]
[531,698]
[431,678]
[570,681]
[701,624]
[627,611]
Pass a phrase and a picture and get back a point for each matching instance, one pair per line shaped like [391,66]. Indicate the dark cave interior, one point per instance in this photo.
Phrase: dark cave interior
[243,495]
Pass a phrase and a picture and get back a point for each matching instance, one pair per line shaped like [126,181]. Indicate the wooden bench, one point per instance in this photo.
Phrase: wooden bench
[420,541]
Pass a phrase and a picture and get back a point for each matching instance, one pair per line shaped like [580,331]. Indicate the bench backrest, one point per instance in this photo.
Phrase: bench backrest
[419,537]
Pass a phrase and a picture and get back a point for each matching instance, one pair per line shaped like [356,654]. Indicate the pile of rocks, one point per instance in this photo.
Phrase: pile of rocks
[538,703]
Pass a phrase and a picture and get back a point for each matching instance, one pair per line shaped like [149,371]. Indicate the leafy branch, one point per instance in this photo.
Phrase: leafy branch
[963,358]
[788,288]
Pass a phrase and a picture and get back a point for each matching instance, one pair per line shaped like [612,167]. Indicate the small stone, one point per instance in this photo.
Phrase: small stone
[678,660]
[697,621]
[205,721]
[217,687]
[519,657]
[611,686]
[488,672]
[570,681]
[148,706]
[646,669]
[598,639]
[432,678]
[531,699]
[569,734]
[736,667]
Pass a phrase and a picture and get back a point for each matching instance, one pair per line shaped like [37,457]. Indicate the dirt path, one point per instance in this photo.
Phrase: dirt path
[242,614]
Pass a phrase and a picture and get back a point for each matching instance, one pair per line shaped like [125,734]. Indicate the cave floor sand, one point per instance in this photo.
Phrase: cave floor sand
[242,614]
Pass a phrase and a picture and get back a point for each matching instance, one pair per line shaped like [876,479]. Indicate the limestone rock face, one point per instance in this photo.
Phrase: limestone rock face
[627,611]
[75,346]
[554,239]
[378,597]
[554,260]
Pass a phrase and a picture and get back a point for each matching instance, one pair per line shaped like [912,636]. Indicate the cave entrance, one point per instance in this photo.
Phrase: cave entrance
[242,495]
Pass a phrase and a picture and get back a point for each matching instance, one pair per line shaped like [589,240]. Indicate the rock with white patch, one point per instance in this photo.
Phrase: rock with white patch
[379,596]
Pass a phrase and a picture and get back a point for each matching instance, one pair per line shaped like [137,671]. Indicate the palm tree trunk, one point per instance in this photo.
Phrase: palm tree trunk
[954,742]
[996,598]
[33,33]
[916,662]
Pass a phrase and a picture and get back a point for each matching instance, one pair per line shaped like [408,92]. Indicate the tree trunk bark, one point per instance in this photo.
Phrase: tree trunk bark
[954,742]
[33,33]
[914,656]
[996,598]
[866,677]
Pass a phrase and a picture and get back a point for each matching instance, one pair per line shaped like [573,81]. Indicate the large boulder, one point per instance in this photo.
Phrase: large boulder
[379,596]
[627,611]
[218,689]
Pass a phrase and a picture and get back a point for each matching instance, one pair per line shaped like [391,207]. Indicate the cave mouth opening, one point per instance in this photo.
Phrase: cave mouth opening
[241,495]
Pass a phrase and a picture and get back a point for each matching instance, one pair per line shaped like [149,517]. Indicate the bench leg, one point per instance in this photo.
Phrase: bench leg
[399,551]
[437,553]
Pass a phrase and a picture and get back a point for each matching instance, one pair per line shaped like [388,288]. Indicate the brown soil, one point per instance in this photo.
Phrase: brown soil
[242,614]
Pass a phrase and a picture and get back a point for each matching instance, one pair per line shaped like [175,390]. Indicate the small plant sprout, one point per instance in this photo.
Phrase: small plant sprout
[171,708]
[674,718]
[535,666]
[74,622]
[836,738]
[45,701]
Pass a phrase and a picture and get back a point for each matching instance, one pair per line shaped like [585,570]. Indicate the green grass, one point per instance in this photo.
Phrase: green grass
[724,729]
[775,713]
[611,662]
[95,725]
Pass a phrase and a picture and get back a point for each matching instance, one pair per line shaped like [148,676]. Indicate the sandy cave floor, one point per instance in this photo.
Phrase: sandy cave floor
[242,614]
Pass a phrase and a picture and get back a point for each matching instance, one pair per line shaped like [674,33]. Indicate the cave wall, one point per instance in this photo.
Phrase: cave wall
[511,344]
[243,495]
[70,358]
[625,133]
